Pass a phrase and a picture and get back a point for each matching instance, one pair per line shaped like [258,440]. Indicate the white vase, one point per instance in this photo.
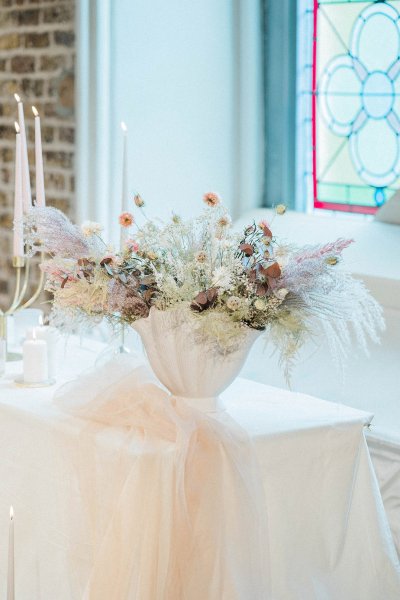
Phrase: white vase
[189,368]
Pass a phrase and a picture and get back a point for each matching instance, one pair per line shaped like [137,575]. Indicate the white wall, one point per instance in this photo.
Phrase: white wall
[185,75]
[173,84]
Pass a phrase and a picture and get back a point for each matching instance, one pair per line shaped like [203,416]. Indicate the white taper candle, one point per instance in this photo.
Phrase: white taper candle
[40,194]
[10,574]
[26,182]
[18,241]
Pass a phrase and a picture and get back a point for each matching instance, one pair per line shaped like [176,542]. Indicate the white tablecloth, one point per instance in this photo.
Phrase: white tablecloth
[328,535]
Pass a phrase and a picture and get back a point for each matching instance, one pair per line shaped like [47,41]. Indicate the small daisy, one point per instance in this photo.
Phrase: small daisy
[224,221]
[90,228]
[280,209]
[211,198]
[125,219]
[281,294]
[263,224]
[260,304]
[233,303]
[200,257]
[132,245]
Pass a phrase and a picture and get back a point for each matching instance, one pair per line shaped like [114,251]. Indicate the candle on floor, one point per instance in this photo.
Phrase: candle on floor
[40,194]
[26,182]
[35,363]
[18,240]
[10,575]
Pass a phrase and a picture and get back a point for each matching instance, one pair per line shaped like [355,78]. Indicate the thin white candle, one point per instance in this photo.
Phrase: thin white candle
[10,575]
[40,194]
[18,241]
[124,192]
[26,182]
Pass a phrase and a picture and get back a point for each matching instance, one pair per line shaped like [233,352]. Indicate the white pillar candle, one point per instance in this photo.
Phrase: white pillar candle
[26,182]
[34,354]
[18,241]
[40,195]
[51,336]
[10,574]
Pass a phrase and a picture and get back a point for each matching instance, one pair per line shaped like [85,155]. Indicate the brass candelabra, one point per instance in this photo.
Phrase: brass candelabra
[22,268]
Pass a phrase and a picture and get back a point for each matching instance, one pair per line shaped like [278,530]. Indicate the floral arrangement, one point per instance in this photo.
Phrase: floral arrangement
[223,280]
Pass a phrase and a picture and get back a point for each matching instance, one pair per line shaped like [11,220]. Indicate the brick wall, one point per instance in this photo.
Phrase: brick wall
[37,56]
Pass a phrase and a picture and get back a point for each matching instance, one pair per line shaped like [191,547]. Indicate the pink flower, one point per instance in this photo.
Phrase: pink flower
[132,245]
[211,198]
[263,224]
[138,200]
[125,219]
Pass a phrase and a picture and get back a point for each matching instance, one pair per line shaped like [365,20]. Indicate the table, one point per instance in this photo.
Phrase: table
[328,535]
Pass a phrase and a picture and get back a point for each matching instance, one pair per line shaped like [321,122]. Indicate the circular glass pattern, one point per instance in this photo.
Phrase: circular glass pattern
[358,95]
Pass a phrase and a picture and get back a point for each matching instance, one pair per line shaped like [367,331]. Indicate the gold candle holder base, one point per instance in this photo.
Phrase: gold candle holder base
[22,267]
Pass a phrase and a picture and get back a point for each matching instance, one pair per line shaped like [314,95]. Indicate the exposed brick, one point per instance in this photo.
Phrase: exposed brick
[8,87]
[10,41]
[5,175]
[37,40]
[47,65]
[67,134]
[49,109]
[32,87]
[6,155]
[6,220]
[51,63]
[64,38]
[60,203]
[59,159]
[46,131]
[7,132]
[23,64]
[19,17]
[28,17]
[58,14]
[54,181]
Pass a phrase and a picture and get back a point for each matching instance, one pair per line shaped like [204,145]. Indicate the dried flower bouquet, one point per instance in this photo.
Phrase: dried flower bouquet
[222,280]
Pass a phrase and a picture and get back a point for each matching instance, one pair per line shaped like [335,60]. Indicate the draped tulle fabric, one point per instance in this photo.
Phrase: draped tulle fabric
[188,511]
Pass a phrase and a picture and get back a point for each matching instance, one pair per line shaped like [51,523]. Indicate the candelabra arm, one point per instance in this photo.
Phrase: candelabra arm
[17,294]
[38,291]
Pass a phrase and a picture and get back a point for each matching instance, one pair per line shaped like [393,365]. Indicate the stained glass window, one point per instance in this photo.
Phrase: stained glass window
[352,53]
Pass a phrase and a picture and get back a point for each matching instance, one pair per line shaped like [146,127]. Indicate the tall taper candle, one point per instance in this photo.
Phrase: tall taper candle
[124,192]
[18,242]
[10,575]
[40,195]
[26,182]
